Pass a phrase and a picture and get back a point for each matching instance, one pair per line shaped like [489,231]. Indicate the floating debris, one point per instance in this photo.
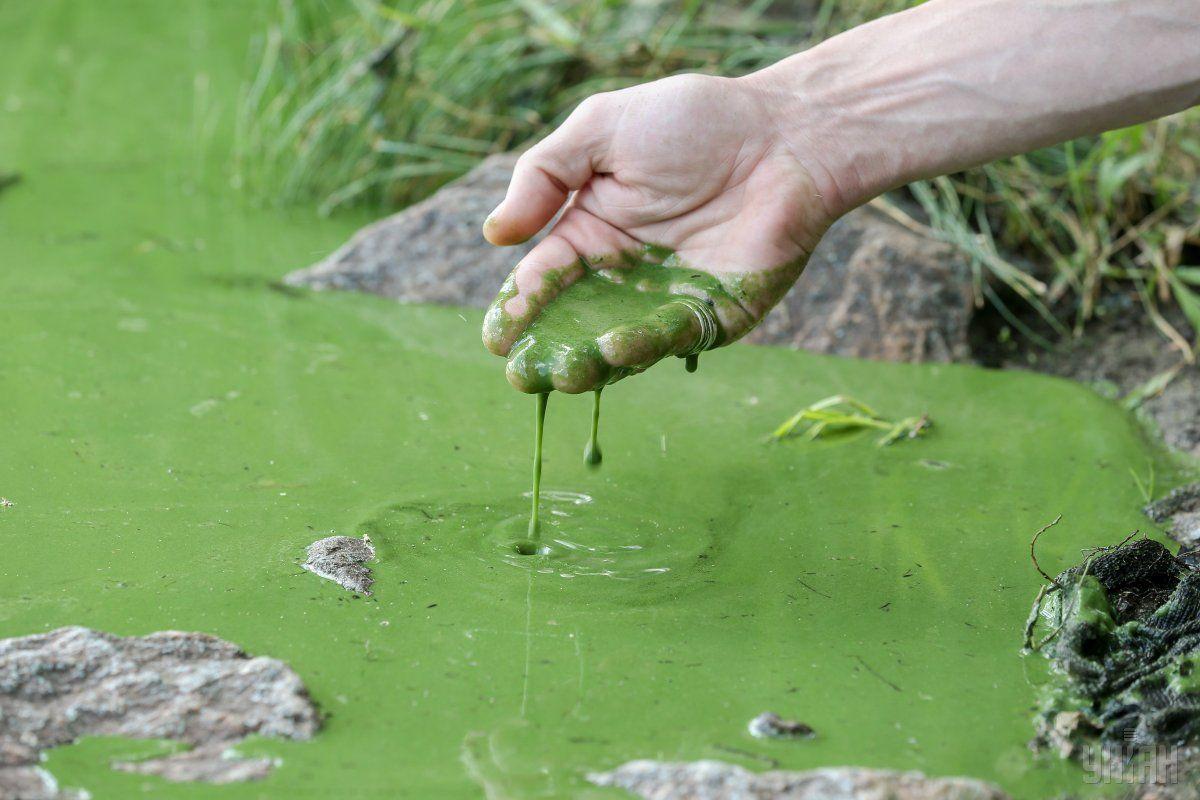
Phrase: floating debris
[1121,630]
[769,725]
[342,559]
[840,413]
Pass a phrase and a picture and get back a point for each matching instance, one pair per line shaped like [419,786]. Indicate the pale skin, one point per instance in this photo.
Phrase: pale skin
[741,177]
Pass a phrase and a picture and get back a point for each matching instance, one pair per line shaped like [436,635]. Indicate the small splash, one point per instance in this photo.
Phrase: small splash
[580,536]
[574,498]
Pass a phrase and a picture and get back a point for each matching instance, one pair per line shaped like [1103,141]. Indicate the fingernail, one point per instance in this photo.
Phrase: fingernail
[490,222]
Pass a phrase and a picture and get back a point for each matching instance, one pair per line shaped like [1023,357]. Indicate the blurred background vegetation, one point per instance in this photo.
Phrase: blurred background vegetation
[379,103]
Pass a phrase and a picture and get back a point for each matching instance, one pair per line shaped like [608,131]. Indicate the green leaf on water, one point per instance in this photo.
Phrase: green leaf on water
[841,413]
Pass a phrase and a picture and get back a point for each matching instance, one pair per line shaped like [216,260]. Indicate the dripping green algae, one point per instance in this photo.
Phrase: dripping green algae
[612,323]
[176,428]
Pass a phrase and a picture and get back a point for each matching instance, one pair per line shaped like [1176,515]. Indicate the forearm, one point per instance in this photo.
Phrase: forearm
[956,83]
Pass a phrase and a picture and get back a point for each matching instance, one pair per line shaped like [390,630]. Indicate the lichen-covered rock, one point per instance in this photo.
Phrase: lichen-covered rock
[191,687]
[342,559]
[716,780]
[208,763]
[872,289]
[33,783]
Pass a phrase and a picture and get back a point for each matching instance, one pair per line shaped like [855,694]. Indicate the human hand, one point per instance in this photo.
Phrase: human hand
[693,164]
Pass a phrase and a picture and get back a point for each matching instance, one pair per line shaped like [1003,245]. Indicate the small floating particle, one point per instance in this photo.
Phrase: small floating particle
[769,725]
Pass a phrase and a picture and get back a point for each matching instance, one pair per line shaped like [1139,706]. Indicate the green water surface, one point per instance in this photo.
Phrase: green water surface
[174,429]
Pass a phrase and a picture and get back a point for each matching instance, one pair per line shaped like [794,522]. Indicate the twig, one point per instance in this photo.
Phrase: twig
[1034,613]
[1033,549]
[882,679]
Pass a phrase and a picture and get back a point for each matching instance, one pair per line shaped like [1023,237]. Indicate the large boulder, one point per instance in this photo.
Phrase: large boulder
[431,252]
[873,289]
[58,687]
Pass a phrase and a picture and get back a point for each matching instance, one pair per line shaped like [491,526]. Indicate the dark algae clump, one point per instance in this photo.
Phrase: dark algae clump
[1122,630]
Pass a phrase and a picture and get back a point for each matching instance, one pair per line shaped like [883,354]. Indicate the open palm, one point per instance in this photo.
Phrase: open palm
[693,164]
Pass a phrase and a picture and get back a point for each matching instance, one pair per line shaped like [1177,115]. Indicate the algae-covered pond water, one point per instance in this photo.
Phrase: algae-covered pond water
[174,431]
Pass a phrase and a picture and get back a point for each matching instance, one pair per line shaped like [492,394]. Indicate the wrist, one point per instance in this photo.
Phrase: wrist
[819,133]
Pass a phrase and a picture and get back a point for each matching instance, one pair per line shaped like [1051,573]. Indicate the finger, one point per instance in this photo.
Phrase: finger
[568,367]
[548,172]
[671,329]
[551,266]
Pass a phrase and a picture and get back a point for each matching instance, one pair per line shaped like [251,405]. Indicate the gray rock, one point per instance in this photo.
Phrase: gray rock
[769,725]
[33,783]
[716,780]
[873,288]
[1181,509]
[431,252]
[191,687]
[210,763]
[342,559]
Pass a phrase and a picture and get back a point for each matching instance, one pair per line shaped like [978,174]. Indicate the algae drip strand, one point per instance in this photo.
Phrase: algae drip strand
[176,431]
[539,423]
[591,454]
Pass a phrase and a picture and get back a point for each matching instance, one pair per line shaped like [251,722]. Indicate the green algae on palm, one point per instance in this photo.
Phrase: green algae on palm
[611,323]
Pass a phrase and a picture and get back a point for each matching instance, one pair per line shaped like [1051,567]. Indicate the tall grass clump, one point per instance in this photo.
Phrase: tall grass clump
[382,102]
[1119,212]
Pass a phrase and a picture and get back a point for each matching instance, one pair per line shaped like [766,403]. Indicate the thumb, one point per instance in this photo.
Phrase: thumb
[548,172]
